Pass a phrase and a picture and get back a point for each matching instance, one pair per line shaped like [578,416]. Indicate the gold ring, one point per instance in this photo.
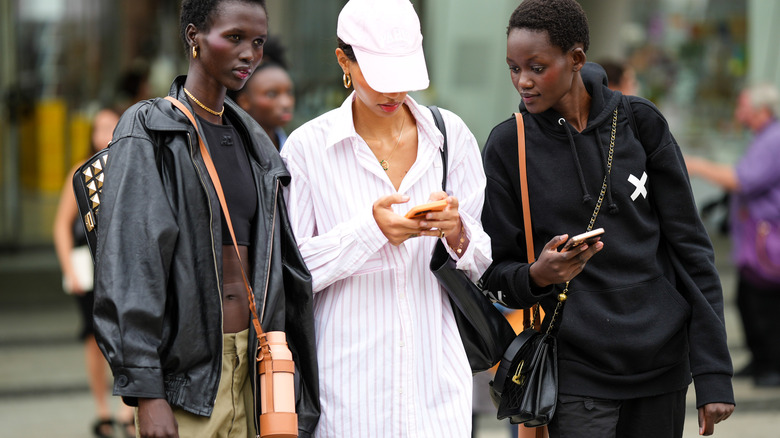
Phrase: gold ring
[442,234]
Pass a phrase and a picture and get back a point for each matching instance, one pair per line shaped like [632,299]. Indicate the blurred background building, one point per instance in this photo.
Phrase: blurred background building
[61,60]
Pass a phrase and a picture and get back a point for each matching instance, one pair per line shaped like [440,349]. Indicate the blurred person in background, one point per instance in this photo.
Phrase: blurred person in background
[133,86]
[268,95]
[754,185]
[172,309]
[620,76]
[70,242]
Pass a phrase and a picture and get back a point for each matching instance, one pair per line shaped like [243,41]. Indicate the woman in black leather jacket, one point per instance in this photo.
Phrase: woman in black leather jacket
[171,309]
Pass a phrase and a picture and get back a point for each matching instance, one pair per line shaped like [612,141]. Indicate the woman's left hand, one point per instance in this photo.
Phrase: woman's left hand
[447,220]
[711,414]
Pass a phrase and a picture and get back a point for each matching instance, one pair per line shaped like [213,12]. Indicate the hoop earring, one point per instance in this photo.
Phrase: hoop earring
[347,80]
[194,52]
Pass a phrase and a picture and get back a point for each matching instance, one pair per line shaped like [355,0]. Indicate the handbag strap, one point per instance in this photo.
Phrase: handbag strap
[221,195]
[529,241]
[443,129]
[528,319]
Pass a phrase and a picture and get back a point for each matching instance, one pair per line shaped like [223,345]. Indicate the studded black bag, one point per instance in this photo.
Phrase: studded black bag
[88,188]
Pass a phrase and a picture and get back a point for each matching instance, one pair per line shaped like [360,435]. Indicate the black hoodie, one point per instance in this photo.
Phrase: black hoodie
[646,313]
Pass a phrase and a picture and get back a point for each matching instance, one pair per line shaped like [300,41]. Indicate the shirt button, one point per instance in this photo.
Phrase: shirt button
[403,344]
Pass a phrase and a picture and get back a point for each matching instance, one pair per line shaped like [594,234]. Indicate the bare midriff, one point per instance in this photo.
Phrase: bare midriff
[235,304]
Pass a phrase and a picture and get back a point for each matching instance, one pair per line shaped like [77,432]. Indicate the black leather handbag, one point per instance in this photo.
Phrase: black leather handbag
[483,329]
[525,388]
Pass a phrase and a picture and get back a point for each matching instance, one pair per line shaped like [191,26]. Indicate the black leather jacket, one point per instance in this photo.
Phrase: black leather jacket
[158,309]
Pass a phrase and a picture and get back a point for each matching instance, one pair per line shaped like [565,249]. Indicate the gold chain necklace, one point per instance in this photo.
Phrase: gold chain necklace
[209,110]
[383,162]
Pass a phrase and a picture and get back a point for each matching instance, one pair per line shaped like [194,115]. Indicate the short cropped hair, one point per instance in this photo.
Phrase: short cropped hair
[199,13]
[563,20]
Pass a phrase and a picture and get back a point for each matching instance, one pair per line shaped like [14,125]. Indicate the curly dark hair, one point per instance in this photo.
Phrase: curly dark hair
[199,13]
[563,20]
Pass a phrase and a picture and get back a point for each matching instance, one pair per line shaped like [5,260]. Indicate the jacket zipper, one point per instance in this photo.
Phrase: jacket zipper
[213,250]
[270,248]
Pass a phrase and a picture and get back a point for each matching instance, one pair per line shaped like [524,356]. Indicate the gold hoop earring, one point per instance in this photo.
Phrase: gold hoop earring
[347,80]
[194,52]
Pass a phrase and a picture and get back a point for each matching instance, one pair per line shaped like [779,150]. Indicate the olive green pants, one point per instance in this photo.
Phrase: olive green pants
[233,411]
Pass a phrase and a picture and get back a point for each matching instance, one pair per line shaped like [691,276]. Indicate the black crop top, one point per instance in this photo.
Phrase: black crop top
[235,174]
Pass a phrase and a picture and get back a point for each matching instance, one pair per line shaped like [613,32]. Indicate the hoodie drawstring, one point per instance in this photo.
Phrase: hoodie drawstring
[606,163]
[586,198]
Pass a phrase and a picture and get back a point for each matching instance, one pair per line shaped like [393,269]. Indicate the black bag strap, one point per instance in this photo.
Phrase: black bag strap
[631,119]
[437,118]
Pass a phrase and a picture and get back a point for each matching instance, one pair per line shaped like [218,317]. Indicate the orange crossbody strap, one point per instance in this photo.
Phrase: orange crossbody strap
[529,241]
[529,238]
[221,195]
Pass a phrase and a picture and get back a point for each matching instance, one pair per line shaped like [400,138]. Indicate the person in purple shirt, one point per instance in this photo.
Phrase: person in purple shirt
[754,184]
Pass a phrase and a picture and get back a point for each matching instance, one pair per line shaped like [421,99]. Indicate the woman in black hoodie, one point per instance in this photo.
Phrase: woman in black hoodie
[645,307]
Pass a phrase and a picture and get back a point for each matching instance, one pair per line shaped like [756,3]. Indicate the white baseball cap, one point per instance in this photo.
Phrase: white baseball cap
[385,36]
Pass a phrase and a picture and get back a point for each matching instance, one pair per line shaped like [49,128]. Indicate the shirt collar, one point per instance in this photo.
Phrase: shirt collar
[343,127]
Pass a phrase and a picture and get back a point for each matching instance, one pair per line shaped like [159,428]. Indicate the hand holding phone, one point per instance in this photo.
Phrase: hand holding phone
[589,237]
[423,209]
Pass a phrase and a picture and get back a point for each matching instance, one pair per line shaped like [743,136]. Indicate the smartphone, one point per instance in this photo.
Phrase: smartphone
[589,237]
[422,209]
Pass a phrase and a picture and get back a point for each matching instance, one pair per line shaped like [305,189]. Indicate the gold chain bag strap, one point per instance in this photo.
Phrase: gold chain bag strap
[596,209]
[275,367]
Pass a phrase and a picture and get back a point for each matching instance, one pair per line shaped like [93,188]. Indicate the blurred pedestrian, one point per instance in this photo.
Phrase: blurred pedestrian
[620,76]
[392,363]
[643,307]
[172,305]
[754,184]
[70,241]
[133,86]
[268,95]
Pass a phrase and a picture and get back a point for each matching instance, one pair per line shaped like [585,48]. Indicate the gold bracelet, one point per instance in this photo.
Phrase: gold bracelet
[461,240]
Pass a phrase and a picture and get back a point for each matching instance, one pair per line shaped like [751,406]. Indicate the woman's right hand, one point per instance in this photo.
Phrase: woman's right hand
[554,267]
[155,419]
[395,227]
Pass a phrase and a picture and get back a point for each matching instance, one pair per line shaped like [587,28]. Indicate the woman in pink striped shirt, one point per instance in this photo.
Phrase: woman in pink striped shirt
[391,362]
